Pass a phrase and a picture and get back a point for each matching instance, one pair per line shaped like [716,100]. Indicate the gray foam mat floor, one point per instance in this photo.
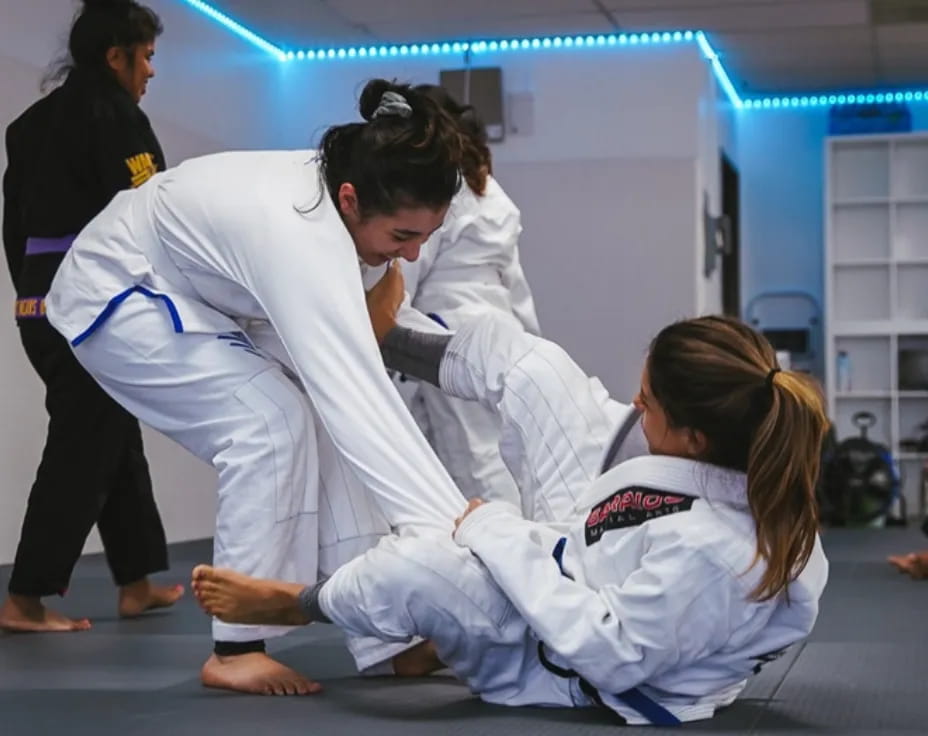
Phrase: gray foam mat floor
[863,671]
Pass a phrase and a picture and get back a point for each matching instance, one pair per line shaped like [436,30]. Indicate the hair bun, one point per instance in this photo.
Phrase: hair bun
[372,95]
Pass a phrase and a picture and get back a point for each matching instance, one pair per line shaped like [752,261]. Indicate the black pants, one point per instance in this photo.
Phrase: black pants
[93,470]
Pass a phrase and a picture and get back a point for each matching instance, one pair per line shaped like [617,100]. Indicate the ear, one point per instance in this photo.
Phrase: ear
[116,58]
[696,443]
[348,201]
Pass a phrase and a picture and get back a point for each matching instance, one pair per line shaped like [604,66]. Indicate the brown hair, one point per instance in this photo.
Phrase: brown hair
[717,376]
[394,160]
[476,164]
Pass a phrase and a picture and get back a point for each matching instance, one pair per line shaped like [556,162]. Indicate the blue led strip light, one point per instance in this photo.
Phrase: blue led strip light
[832,98]
[237,28]
[720,74]
[478,47]
[768,102]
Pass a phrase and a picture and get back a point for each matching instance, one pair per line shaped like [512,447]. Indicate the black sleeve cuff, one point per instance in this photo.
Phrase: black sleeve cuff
[416,354]
[309,603]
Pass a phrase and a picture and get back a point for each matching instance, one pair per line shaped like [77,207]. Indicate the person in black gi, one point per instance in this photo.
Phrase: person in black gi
[68,155]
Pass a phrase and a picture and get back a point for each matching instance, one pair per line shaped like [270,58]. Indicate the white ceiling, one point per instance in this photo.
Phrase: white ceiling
[767,46]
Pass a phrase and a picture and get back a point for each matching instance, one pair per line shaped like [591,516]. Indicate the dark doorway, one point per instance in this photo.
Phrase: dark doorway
[731,263]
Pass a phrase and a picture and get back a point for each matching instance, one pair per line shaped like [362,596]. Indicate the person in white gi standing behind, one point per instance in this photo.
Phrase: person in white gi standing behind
[471,265]
[151,295]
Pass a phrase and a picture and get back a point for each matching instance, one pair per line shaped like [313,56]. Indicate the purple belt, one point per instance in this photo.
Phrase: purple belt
[39,246]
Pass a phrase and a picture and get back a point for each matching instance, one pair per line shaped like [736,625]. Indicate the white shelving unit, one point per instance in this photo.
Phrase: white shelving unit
[876,287]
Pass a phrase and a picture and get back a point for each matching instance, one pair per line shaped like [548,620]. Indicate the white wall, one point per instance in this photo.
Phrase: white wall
[624,263]
[593,179]
[622,141]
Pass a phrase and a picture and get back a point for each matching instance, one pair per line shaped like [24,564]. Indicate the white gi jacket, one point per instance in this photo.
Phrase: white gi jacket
[651,588]
[472,261]
[253,235]
[636,579]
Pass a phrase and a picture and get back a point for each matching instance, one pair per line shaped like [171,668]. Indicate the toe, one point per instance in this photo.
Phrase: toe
[201,572]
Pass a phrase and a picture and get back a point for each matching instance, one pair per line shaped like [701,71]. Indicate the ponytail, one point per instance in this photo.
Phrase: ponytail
[717,376]
[476,163]
[783,467]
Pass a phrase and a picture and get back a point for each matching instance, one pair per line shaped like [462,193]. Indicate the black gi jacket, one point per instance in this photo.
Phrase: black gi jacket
[68,155]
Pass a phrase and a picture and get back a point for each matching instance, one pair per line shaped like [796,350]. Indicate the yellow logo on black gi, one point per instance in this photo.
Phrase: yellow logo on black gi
[30,307]
[142,168]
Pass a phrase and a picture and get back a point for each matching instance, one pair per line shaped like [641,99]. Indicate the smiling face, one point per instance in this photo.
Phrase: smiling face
[133,67]
[663,438]
[380,238]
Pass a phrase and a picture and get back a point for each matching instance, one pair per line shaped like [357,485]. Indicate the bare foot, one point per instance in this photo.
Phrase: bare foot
[256,673]
[914,564]
[23,613]
[239,599]
[142,595]
[418,661]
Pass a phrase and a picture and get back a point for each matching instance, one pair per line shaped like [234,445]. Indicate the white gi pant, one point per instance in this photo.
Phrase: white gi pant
[556,423]
[288,506]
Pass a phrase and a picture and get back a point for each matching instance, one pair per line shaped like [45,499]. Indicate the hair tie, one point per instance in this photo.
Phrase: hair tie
[392,104]
[769,379]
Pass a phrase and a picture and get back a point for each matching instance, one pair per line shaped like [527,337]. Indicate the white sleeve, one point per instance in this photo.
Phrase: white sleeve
[310,287]
[556,421]
[671,610]
[408,316]
[466,272]
[520,295]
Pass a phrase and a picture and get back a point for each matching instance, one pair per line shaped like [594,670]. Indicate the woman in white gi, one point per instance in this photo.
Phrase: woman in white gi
[657,585]
[152,295]
[469,266]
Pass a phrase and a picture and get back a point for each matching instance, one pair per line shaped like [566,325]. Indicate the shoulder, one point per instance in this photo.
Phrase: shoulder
[495,209]
[98,99]
[38,110]
[708,539]
[491,213]
[496,198]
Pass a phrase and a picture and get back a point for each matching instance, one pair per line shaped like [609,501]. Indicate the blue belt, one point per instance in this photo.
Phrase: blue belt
[41,246]
[649,708]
